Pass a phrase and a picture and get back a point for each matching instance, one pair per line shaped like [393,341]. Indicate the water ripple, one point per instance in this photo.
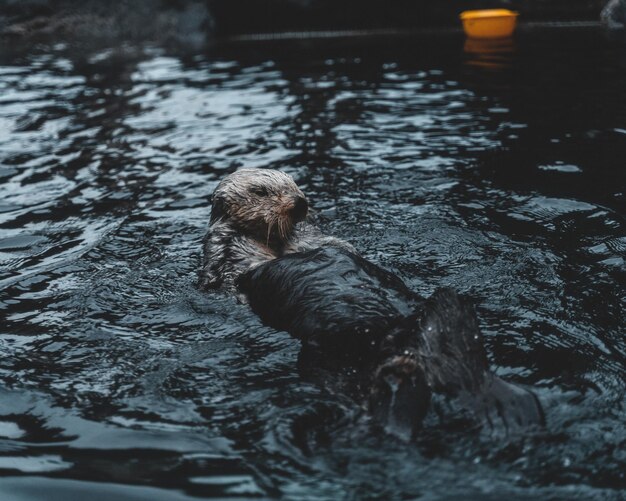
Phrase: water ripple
[501,177]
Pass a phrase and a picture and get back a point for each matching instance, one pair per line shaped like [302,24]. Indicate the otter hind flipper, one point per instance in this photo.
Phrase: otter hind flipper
[515,407]
[451,344]
[452,352]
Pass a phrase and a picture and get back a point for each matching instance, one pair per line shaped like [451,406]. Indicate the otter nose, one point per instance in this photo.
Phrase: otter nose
[300,208]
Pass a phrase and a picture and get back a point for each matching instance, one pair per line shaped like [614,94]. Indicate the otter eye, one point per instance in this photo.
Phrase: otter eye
[261,191]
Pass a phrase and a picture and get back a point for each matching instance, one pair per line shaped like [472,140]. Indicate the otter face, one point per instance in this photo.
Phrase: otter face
[264,204]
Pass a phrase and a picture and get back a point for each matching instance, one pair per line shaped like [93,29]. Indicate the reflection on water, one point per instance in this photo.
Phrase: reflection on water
[120,378]
[490,53]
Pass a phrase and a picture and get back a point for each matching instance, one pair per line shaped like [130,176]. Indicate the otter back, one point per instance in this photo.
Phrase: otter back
[329,296]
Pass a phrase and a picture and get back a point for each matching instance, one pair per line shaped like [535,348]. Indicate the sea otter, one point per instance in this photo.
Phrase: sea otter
[349,312]
[257,215]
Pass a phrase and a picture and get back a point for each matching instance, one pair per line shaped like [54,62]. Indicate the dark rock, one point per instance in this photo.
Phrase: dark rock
[186,22]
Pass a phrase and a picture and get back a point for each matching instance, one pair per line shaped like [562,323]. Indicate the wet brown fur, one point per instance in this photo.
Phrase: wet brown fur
[259,204]
[257,215]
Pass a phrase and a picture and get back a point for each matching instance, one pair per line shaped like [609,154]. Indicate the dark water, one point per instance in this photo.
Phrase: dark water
[497,171]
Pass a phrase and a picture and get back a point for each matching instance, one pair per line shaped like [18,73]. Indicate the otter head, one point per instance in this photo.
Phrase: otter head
[260,203]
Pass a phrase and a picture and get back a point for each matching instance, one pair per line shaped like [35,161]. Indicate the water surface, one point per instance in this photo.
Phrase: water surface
[496,170]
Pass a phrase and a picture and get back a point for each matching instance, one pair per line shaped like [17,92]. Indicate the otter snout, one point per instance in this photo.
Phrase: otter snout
[300,209]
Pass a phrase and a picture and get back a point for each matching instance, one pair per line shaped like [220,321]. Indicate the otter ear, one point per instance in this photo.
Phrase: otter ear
[218,209]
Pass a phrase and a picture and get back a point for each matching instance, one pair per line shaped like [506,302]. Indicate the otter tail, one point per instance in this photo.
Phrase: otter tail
[499,403]
[450,346]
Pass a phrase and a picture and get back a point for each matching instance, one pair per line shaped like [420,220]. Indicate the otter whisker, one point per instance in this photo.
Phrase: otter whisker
[281,227]
[269,229]
[284,228]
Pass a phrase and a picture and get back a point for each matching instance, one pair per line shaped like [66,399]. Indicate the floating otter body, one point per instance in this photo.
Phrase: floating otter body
[348,310]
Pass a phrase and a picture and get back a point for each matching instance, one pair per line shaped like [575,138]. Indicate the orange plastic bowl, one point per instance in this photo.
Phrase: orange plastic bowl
[490,23]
